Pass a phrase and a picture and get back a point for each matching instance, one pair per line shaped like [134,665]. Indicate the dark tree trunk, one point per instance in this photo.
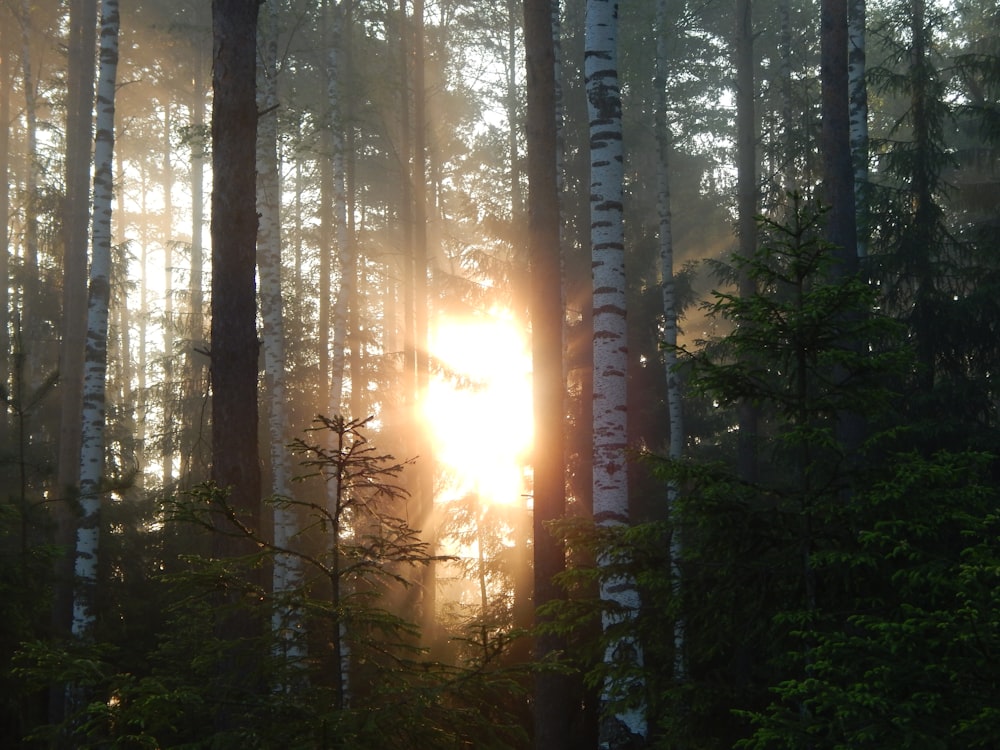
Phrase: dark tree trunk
[552,709]
[235,463]
[838,168]
[746,189]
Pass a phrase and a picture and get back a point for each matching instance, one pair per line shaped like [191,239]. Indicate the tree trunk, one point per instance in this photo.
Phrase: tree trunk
[79,141]
[747,199]
[169,390]
[346,248]
[838,171]
[30,286]
[673,384]
[235,462]
[6,78]
[193,466]
[858,97]
[286,620]
[424,494]
[96,359]
[622,726]
[551,697]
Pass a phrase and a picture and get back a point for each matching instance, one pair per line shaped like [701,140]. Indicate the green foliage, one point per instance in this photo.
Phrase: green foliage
[911,665]
[161,671]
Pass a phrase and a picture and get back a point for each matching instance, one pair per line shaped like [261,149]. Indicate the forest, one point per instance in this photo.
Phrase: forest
[443,374]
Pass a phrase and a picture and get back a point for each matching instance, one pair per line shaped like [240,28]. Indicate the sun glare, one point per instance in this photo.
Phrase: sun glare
[478,405]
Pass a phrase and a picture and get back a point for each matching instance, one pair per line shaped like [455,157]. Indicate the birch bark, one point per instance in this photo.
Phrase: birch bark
[610,477]
[286,620]
[666,244]
[96,358]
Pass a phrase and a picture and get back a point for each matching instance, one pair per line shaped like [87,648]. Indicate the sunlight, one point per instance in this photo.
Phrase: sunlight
[479,405]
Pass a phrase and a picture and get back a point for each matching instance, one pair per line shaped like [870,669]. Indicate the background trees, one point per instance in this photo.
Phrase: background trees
[402,149]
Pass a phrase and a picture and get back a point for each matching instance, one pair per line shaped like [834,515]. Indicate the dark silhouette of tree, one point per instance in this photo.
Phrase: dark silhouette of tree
[235,461]
[552,714]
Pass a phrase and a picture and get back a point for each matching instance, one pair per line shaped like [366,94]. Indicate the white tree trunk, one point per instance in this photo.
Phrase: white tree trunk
[286,620]
[666,242]
[610,481]
[96,362]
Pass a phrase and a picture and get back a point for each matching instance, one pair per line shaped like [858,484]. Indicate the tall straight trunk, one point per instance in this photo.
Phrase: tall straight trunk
[673,384]
[425,468]
[511,102]
[6,361]
[193,465]
[29,278]
[79,141]
[551,697]
[169,386]
[346,247]
[789,132]
[839,185]
[620,726]
[235,462]
[747,200]
[286,620]
[96,359]
[858,97]
[328,233]
[838,170]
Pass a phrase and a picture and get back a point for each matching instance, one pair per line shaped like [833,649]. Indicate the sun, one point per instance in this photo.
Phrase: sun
[478,405]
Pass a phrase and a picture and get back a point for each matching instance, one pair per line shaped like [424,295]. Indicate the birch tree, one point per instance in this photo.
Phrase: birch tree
[79,140]
[96,359]
[624,712]
[287,573]
[666,247]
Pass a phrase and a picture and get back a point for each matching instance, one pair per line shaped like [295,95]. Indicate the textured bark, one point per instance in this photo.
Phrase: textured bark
[96,359]
[666,243]
[235,462]
[551,697]
[610,477]
[234,237]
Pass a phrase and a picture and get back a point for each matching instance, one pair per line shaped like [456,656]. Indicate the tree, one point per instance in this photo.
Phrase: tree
[622,703]
[551,718]
[235,462]
[760,546]
[669,291]
[286,621]
[92,445]
[838,161]
[746,199]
